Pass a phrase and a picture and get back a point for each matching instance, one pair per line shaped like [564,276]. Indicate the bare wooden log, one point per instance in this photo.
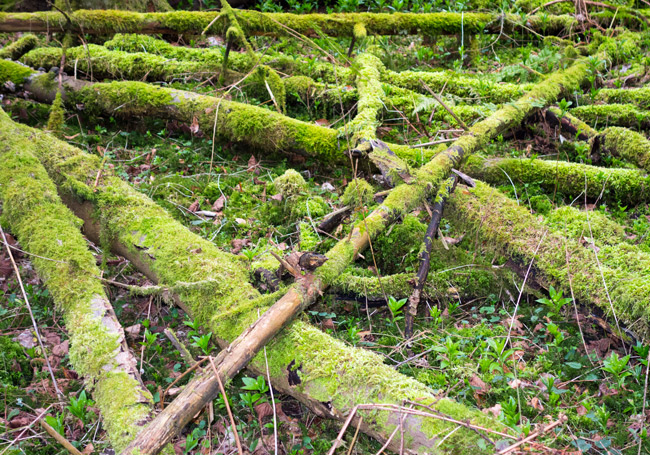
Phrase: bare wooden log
[49,230]
[203,388]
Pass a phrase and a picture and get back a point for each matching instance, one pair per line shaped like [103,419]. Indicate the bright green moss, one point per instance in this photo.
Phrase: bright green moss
[509,229]
[365,123]
[626,144]
[570,179]
[290,184]
[46,228]
[638,96]
[14,364]
[358,193]
[13,72]
[23,44]
[308,238]
[575,223]
[613,115]
[55,122]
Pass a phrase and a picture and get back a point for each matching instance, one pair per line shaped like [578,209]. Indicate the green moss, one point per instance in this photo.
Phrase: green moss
[541,204]
[14,364]
[358,193]
[308,238]
[46,228]
[637,96]
[22,45]
[509,229]
[55,122]
[290,184]
[626,144]
[613,115]
[570,179]
[13,72]
[170,253]
[575,223]
[365,123]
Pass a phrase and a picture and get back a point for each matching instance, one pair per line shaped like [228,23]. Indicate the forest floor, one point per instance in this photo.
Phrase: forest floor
[523,355]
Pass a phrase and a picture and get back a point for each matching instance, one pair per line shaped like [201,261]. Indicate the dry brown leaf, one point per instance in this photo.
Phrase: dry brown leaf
[194,127]
[536,404]
[219,204]
[480,387]
[194,206]
[88,449]
[494,410]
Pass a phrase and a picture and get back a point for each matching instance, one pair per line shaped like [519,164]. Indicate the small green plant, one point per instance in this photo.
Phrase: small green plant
[395,306]
[79,407]
[564,106]
[555,303]
[256,388]
[203,342]
[57,423]
[510,412]
[617,367]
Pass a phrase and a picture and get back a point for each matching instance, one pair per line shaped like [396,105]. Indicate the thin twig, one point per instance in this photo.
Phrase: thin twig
[225,400]
[534,435]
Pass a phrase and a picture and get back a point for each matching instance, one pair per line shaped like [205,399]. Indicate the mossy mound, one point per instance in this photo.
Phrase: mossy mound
[14,364]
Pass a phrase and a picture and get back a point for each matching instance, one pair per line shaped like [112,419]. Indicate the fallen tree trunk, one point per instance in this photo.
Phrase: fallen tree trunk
[622,143]
[49,231]
[570,179]
[615,278]
[637,96]
[19,47]
[325,374]
[104,22]
[569,124]
[258,127]
[605,115]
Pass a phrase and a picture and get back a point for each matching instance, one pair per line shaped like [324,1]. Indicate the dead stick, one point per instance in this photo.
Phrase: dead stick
[447,108]
[225,400]
[60,439]
[425,256]
[205,387]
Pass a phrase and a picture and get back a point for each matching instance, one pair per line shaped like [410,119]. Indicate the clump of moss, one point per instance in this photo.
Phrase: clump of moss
[308,238]
[311,207]
[14,365]
[56,120]
[398,252]
[541,204]
[290,184]
[358,193]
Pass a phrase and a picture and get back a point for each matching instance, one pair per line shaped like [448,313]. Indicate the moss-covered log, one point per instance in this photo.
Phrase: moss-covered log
[604,115]
[19,47]
[622,143]
[327,375]
[140,6]
[569,124]
[456,84]
[627,186]
[47,229]
[256,126]
[279,24]
[637,96]
[618,281]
